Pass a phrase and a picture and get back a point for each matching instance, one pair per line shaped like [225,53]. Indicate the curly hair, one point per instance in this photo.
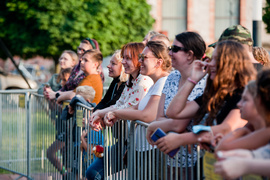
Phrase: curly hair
[261,55]
[263,90]
[234,70]
[161,51]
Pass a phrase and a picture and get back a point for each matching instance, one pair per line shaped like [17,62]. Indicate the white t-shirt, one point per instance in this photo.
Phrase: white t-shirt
[155,90]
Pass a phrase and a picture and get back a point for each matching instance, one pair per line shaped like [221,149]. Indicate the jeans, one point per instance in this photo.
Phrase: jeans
[96,170]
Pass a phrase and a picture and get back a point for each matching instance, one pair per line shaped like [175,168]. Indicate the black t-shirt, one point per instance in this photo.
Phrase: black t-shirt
[230,103]
[112,95]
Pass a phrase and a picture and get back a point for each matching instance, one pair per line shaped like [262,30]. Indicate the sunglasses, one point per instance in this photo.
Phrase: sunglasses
[143,57]
[175,49]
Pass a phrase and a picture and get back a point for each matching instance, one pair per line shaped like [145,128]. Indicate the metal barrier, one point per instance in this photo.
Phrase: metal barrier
[37,143]
[15,131]
[38,140]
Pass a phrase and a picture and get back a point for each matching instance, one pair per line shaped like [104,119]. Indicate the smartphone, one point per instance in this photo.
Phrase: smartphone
[159,134]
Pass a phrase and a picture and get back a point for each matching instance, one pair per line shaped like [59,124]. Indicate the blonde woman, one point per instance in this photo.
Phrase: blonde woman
[117,72]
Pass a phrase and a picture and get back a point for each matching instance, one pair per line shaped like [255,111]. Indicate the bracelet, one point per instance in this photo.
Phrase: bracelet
[192,81]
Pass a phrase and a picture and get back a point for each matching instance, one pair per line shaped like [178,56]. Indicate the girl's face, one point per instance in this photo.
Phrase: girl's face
[66,61]
[114,67]
[179,58]
[88,66]
[247,106]
[82,48]
[128,65]
[64,79]
[148,62]
[213,66]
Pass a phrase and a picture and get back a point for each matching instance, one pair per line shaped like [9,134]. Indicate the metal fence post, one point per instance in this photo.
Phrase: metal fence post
[28,128]
[131,154]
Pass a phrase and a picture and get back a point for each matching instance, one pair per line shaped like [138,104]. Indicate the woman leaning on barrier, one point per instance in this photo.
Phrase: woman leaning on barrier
[155,63]
[117,72]
[76,76]
[186,47]
[136,88]
[68,59]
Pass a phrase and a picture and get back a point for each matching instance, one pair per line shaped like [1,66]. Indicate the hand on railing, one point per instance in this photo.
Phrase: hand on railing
[150,130]
[49,93]
[208,142]
[96,122]
[70,110]
[169,142]
[110,118]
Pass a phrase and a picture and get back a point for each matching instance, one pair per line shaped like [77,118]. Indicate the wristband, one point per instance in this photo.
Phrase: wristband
[192,81]
[57,95]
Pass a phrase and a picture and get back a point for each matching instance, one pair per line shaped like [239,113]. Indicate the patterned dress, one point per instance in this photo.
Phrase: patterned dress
[170,90]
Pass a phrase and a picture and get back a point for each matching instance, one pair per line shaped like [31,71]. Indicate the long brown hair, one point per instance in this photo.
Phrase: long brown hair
[161,51]
[234,70]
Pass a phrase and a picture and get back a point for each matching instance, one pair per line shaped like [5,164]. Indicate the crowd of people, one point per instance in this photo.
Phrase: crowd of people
[175,87]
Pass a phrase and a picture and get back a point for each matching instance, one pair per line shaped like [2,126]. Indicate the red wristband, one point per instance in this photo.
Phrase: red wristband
[192,81]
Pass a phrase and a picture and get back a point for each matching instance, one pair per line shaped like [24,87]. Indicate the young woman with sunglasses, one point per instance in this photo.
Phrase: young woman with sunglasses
[186,47]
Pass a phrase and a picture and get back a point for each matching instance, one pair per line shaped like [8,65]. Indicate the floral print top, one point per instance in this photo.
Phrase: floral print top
[170,89]
[131,96]
[73,82]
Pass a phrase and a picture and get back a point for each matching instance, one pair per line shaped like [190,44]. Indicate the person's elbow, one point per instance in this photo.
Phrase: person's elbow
[148,117]
[170,113]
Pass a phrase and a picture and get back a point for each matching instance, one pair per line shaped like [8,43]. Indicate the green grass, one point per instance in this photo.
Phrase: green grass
[13,149]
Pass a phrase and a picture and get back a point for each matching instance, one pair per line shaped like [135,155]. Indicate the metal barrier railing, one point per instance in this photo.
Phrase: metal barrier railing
[39,140]
[14,135]
[48,146]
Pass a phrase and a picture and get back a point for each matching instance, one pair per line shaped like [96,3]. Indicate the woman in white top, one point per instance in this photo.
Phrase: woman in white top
[155,63]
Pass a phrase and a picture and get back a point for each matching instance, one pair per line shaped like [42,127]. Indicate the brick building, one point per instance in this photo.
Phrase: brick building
[207,17]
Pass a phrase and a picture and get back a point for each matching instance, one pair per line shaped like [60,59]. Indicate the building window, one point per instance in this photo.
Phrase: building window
[226,14]
[174,17]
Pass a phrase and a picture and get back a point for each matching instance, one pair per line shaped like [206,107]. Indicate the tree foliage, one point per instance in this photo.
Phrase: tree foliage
[47,27]
[266,15]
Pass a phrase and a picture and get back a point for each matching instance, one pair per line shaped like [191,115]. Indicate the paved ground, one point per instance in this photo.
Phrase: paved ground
[11,177]
[35,176]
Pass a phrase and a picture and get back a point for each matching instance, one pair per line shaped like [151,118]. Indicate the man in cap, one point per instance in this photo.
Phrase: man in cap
[242,35]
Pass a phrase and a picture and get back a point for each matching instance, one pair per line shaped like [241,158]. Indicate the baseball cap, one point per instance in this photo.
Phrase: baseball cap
[237,33]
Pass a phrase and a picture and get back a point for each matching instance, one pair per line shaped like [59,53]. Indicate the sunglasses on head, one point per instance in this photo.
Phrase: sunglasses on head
[175,49]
